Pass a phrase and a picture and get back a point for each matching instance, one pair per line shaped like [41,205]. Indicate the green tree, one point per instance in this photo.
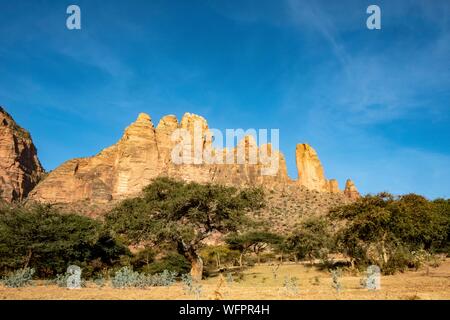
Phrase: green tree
[442,209]
[380,229]
[313,240]
[39,237]
[184,214]
[218,255]
[255,241]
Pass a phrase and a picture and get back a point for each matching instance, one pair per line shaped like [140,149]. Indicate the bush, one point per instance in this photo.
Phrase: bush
[142,259]
[61,280]
[173,262]
[127,278]
[190,286]
[100,282]
[163,279]
[19,278]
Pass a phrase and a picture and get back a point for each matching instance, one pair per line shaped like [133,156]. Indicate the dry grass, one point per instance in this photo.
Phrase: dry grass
[259,283]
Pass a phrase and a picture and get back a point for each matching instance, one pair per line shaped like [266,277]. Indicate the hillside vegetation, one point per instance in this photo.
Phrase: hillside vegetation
[169,227]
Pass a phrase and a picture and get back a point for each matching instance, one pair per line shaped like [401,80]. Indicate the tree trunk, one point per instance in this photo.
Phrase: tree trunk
[384,254]
[27,262]
[218,264]
[197,269]
[240,260]
[190,253]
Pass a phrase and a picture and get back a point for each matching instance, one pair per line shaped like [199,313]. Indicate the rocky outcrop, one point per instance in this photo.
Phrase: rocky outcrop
[145,152]
[310,171]
[20,169]
[182,150]
[350,190]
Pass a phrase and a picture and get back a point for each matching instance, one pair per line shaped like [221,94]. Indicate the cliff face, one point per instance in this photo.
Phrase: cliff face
[20,169]
[310,171]
[182,150]
[145,152]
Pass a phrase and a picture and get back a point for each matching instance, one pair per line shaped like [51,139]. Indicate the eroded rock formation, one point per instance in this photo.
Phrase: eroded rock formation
[182,150]
[145,152]
[310,171]
[351,191]
[20,169]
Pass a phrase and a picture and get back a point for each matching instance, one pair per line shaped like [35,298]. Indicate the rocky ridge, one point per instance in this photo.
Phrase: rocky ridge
[145,152]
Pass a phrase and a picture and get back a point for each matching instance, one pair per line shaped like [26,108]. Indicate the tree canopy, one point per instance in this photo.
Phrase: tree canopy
[379,228]
[184,214]
[312,240]
[42,238]
[256,241]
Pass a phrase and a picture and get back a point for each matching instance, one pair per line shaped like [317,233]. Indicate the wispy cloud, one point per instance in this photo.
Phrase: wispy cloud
[308,15]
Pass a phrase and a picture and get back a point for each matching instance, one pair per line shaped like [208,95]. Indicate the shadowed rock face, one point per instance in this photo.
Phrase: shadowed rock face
[145,152]
[20,169]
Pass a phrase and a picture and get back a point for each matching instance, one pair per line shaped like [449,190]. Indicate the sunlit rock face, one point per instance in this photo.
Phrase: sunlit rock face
[20,169]
[145,152]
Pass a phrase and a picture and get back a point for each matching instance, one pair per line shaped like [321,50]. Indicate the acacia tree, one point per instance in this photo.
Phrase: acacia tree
[42,238]
[183,214]
[378,228]
[256,241]
[313,240]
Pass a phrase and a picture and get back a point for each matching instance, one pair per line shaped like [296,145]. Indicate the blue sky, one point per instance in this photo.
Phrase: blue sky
[374,104]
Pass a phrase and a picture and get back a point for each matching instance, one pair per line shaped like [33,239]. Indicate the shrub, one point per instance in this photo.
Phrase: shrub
[100,282]
[125,278]
[19,278]
[173,262]
[164,279]
[336,280]
[290,285]
[61,280]
[190,286]
[142,259]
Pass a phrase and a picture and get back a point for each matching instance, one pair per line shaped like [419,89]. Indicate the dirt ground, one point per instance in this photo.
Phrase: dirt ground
[259,282]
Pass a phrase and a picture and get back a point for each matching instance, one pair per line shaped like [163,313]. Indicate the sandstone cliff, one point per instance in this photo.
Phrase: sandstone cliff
[182,150]
[310,171]
[145,152]
[20,169]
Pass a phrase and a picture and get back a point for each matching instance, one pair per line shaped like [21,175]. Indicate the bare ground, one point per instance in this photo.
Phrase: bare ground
[259,283]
